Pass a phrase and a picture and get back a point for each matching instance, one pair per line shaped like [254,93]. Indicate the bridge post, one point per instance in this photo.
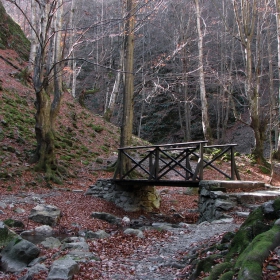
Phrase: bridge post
[156,163]
[188,165]
[232,163]
[151,166]
[201,148]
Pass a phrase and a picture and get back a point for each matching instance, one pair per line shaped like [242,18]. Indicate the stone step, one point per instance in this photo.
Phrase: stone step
[256,197]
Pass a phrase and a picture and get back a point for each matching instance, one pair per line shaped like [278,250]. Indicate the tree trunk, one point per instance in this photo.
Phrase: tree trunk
[47,109]
[127,120]
[277,4]
[204,104]
[33,37]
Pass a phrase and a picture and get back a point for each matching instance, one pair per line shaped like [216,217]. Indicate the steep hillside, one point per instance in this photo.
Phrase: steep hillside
[84,141]
[11,35]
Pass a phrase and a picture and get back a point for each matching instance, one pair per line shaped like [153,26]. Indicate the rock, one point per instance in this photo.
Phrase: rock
[63,269]
[44,230]
[36,269]
[98,234]
[3,205]
[106,217]
[221,221]
[45,214]
[74,243]
[19,210]
[268,207]
[6,235]
[183,225]
[223,204]
[125,221]
[162,226]
[82,256]
[75,246]
[136,232]
[242,214]
[18,254]
[51,243]
[14,223]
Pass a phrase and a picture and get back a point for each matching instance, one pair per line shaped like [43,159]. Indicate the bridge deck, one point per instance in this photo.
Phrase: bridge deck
[174,183]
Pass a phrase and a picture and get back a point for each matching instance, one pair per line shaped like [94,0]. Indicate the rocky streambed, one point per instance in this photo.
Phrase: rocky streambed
[131,248]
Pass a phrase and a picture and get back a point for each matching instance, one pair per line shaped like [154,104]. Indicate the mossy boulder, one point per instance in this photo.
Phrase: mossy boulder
[6,235]
[219,270]
[251,245]
[14,223]
[251,260]
[253,226]
[204,265]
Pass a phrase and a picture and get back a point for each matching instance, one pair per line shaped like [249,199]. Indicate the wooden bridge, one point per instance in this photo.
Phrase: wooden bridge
[179,164]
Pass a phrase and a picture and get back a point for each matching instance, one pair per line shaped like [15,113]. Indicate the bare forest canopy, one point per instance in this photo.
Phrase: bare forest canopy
[227,47]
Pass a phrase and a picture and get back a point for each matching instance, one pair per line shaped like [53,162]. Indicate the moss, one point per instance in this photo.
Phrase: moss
[227,276]
[253,226]
[105,149]
[228,237]
[14,223]
[99,160]
[11,35]
[219,269]
[65,157]
[96,128]
[23,76]
[276,205]
[251,260]
[264,169]
[84,148]
[205,265]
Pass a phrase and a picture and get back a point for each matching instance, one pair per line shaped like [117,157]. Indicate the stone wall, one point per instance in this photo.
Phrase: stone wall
[131,198]
[215,202]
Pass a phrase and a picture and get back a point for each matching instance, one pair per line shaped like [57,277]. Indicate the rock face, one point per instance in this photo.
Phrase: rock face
[45,214]
[132,198]
[18,254]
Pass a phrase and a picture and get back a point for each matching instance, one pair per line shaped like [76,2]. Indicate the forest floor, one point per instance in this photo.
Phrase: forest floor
[94,141]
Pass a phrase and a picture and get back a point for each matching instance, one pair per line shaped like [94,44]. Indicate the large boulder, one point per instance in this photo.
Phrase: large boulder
[18,254]
[63,269]
[36,269]
[45,214]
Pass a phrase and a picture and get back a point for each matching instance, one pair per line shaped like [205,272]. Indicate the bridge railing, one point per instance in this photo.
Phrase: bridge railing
[181,162]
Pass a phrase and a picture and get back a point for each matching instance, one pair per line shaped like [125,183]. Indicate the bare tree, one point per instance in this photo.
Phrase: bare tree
[47,83]
[204,103]
[127,120]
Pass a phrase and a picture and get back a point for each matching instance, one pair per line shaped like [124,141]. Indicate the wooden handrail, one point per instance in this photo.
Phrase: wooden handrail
[159,160]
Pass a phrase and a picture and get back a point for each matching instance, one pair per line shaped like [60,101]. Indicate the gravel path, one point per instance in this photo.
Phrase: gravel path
[160,260]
